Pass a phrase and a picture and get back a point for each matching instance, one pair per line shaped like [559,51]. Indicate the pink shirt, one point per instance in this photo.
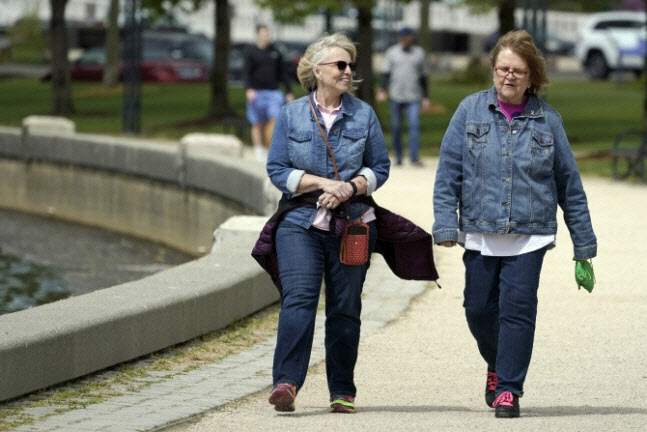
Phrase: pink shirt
[323,216]
[510,110]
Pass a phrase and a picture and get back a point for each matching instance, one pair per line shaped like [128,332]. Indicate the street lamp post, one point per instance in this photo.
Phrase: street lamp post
[131,115]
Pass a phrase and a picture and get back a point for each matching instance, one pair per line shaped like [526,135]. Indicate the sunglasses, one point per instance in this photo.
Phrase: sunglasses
[341,65]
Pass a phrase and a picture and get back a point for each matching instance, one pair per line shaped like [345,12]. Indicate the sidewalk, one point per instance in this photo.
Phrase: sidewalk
[422,372]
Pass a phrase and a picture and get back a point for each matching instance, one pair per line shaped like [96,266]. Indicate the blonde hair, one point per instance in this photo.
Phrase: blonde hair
[522,44]
[316,54]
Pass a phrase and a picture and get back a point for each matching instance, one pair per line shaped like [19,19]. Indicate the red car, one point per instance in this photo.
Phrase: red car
[155,67]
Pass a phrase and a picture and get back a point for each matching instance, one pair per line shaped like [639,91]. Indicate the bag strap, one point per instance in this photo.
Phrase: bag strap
[323,135]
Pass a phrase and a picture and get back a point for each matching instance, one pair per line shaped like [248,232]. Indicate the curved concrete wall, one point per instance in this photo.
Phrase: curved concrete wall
[175,193]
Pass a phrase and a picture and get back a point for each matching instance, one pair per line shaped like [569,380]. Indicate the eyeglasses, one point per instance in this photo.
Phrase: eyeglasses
[341,65]
[504,72]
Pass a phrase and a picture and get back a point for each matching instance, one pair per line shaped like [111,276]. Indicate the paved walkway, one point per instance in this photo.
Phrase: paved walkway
[422,372]
[173,396]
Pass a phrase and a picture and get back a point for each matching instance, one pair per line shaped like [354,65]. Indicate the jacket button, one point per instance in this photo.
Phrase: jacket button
[507,179]
[514,132]
[504,204]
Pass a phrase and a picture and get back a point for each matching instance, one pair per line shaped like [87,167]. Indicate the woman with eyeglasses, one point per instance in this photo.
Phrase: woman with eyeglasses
[315,189]
[505,165]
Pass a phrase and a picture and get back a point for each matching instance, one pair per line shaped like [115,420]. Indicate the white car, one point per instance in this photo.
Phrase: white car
[612,41]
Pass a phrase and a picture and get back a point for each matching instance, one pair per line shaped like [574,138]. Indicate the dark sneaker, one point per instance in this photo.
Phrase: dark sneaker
[506,405]
[283,396]
[490,387]
[342,404]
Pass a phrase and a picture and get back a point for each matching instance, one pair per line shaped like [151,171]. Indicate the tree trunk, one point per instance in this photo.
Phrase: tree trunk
[61,91]
[424,36]
[219,70]
[365,51]
[111,68]
[506,16]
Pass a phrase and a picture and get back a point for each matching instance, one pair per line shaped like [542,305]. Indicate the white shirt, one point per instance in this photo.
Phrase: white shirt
[505,244]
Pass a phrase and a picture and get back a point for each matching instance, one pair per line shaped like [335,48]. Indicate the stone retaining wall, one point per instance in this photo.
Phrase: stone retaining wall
[174,193]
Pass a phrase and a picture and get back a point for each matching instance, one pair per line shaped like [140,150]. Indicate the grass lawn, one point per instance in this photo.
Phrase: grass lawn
[593,112]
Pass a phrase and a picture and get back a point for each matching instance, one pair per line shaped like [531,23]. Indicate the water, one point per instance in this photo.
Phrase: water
[24,284]
[44,259]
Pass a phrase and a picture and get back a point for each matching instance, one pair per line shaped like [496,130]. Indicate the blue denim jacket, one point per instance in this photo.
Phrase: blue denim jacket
[508,177]
[297,148]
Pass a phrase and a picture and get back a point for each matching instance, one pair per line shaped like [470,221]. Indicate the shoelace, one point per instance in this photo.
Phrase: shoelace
[504,399]
[492,380]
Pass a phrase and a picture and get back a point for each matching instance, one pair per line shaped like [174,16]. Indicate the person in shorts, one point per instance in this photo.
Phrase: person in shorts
[264,71]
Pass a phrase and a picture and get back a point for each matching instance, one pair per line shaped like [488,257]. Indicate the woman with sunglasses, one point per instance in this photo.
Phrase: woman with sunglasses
[505,165]
[315,187]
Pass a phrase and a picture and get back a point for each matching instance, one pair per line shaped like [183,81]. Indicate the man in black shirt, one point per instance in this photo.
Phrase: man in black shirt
[264,71]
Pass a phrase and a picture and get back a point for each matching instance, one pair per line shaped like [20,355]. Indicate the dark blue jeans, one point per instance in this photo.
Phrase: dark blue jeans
[501,309]
[412,110]
[306,256]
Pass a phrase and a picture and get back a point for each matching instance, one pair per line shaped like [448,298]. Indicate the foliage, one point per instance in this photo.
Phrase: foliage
[484,6]
[476,72]
[28,41]
[164,10]
[296,11]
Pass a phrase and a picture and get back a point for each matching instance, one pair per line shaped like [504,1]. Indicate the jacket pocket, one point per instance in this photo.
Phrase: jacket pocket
[354,141]
[299,146]
[542,143]
[477,135]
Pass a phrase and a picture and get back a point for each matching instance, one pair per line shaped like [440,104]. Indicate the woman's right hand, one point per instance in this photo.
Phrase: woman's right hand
[340,190]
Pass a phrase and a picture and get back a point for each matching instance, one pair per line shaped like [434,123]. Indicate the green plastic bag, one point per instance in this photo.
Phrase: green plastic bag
[584,276]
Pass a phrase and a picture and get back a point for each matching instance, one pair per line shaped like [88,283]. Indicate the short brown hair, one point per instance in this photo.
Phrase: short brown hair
[522,44]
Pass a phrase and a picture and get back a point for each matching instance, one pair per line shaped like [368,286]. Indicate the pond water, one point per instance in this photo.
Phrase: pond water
[44,259]
[24,284]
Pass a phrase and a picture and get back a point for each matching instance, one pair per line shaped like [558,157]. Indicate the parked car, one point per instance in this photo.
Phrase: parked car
[155,66]
[612,41]
[182,45]
[552,45]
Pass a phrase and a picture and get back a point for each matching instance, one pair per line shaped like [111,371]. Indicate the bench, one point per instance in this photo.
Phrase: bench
[629,159]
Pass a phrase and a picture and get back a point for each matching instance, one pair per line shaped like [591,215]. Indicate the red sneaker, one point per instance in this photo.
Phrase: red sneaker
[342,404]
[490,387]
[507,405]
[283,396]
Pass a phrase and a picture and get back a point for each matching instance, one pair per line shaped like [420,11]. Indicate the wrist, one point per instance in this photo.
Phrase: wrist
[354,186]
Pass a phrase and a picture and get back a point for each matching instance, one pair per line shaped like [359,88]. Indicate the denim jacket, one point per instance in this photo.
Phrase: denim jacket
[509,177]
[297,148]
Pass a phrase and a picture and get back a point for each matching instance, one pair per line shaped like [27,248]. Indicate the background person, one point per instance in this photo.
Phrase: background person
[405,75]
[505,164]
[264,71]
[299,165]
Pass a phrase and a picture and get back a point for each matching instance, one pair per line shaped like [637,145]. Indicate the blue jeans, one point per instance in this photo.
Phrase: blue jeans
[501,309]
[305,257]
[413,119]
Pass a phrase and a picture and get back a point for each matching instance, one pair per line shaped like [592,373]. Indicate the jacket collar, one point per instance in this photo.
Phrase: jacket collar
[347,104]
[533,108]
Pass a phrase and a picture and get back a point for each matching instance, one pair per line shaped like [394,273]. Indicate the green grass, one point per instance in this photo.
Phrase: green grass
[593,112]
